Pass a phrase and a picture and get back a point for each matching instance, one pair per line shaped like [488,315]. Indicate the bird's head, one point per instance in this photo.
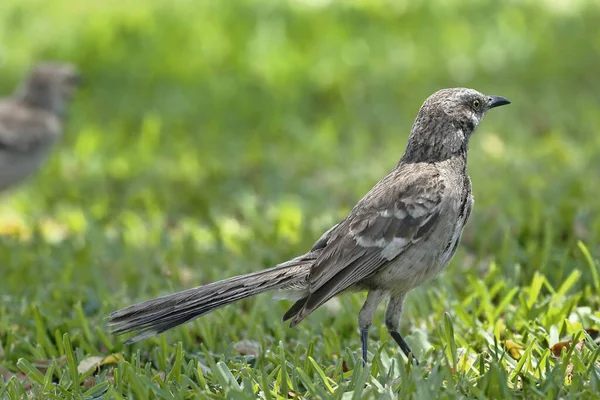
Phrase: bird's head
[50,86]
[446,122]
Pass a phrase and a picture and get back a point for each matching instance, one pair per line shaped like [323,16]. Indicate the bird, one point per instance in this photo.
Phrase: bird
[402,233]
[31,120]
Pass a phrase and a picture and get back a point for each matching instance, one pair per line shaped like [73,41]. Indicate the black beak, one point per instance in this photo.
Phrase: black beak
[497,101]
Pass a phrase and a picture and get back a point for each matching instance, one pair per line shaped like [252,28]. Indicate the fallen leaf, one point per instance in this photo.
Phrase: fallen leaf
[89,363]
[112,359]
[557,348]
[95,362]
[513,349]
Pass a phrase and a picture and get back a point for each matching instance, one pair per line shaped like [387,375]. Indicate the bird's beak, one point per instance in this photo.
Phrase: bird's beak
[497,101]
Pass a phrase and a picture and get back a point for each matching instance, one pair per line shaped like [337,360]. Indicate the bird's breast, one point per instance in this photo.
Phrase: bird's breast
[466,206]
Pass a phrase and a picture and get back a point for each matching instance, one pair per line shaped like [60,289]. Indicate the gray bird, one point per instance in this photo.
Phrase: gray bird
[402,233]
[32,120]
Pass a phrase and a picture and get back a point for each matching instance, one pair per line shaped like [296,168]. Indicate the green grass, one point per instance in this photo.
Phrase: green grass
[218,138]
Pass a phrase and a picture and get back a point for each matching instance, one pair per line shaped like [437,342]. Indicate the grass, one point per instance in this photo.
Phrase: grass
[217,138]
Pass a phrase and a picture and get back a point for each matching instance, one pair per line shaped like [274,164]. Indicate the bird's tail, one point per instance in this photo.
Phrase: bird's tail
[155,316]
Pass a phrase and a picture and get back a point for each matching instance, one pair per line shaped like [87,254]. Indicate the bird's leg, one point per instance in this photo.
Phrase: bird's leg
[364,338]
[393,313]
[365,318]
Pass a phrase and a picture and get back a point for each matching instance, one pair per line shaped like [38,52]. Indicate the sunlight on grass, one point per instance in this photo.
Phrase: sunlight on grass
[218,138]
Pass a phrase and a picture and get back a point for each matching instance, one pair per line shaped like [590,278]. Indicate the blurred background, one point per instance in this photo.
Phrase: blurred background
[218,137]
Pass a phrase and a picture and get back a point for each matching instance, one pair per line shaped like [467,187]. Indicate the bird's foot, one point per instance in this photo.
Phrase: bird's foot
[404,346]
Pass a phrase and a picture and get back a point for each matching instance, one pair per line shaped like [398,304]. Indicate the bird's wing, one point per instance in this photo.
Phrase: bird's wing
[401,210]
[22,129]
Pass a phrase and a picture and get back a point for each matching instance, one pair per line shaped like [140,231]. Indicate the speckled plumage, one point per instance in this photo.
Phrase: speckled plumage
[403,232]
[31,120]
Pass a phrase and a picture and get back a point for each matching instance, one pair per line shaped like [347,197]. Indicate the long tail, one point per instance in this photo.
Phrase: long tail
[155,316]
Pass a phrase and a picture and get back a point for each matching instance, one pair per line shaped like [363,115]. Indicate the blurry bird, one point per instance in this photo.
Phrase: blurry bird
[402,233]
[32,120]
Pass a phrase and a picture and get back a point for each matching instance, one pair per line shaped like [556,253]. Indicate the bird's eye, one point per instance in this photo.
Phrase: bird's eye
[476,104]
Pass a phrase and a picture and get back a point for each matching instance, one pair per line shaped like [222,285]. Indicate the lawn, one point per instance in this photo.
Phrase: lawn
[214,138]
